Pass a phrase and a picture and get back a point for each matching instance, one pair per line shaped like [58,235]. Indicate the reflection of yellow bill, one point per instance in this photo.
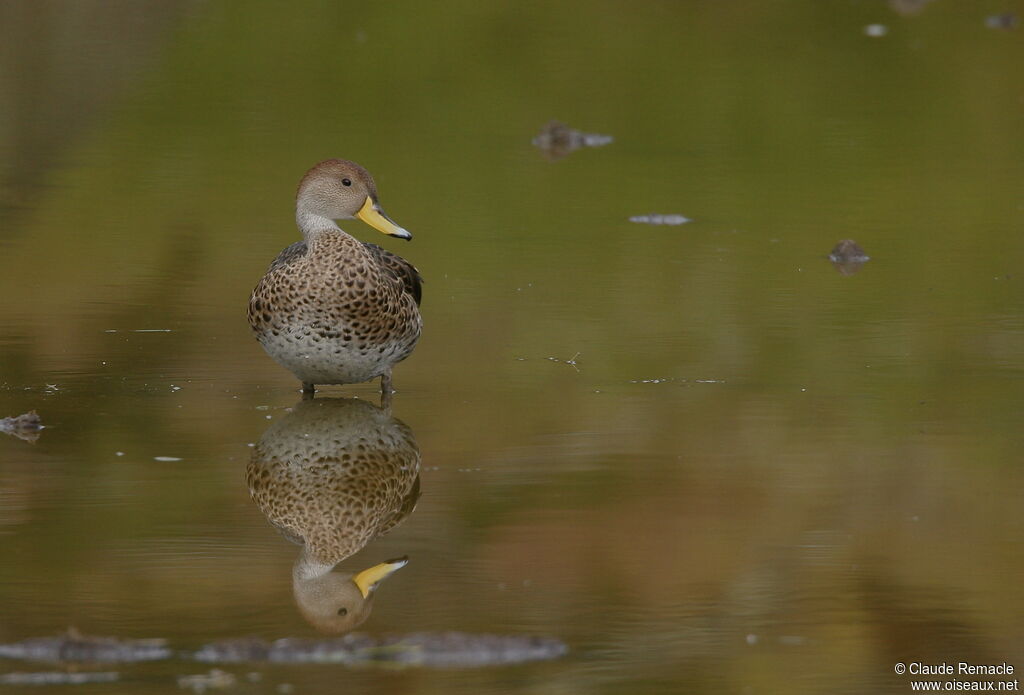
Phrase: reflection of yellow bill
[368,579]
[372,215]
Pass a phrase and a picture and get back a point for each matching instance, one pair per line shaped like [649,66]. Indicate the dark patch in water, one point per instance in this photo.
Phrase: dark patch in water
[908,7]
[1005,21]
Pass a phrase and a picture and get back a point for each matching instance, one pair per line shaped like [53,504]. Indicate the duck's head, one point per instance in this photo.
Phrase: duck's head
[337,189]
[336,602]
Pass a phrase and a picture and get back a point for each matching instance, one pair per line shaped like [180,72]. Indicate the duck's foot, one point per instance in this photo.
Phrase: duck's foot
[308,391]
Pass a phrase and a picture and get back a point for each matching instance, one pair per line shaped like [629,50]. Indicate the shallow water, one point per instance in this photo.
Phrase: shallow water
[698,455]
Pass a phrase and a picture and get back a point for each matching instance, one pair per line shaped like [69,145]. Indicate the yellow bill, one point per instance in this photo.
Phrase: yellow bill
[372,215]
[368,579]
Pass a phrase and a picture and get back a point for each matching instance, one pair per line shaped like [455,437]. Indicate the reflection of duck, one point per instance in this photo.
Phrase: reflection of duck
[330,308]
[332,475]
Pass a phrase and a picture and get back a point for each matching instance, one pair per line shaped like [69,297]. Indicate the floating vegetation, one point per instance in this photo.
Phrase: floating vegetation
[556,140]
[847,257]
[57,678]
[436,650]
[287,650]
[571,361]
[201,682]
[460,650]
[428,649]
[669,379]
[26,426]
[660,219]
[76,647]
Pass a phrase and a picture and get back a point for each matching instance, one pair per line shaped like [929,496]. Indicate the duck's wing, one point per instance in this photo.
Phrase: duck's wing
[408,505]
[290,254]
[397,267]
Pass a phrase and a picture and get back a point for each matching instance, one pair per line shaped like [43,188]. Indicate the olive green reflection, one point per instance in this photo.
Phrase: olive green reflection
[332,475]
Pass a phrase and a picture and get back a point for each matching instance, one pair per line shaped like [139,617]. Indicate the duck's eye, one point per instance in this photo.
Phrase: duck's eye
[343,611]
[346,182]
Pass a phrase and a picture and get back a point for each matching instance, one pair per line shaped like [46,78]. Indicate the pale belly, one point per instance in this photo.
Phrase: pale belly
[317,359]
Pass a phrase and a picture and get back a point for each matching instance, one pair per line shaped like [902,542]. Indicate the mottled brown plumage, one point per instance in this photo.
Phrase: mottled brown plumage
[332,309]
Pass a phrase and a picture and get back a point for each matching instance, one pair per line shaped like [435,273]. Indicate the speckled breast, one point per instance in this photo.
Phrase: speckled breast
[332,316]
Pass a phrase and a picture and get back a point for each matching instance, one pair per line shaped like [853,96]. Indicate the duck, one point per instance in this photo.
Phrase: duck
[331,476]
[330,308]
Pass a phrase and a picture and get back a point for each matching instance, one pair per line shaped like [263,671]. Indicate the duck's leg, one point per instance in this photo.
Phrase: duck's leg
[385,390]
[308,390]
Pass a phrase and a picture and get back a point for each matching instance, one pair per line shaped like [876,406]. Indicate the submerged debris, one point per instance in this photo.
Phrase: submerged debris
[876,30]
[437,650]
[57,678]
[556,140]
[201,682]
[77,647]
[1006,20]
[25,426]
[660,219]
[847,257]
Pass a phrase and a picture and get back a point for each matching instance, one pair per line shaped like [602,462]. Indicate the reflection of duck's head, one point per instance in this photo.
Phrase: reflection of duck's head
[337,601]
[332,475]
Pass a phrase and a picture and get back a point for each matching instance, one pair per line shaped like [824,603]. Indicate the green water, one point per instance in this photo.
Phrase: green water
[697,454]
